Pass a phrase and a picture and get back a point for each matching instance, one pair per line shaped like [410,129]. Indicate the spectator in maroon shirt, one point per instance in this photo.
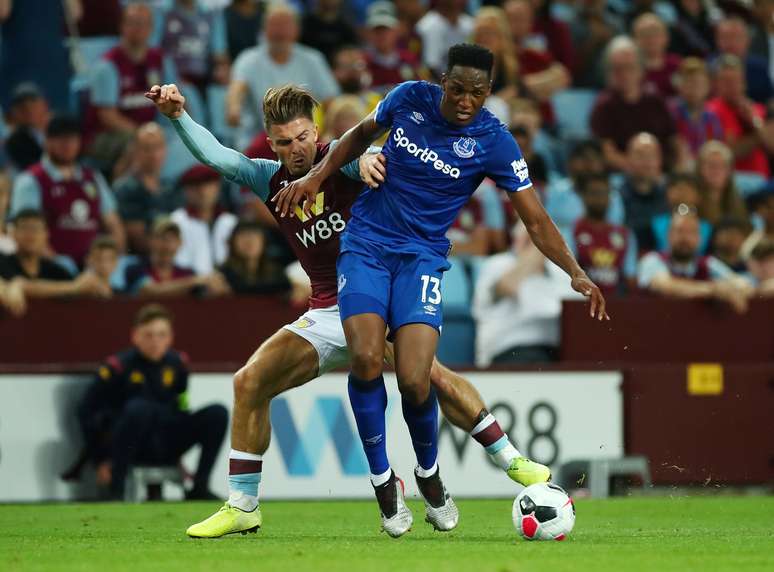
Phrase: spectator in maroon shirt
[160,276]
[388,63]
[652,37]
[554,35]
[695,122]
[625,108]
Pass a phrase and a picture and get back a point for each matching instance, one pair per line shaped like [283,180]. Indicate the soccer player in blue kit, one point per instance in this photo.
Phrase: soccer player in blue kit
[442,144]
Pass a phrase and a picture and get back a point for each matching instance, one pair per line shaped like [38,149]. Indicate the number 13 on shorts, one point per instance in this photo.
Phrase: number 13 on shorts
[431,289]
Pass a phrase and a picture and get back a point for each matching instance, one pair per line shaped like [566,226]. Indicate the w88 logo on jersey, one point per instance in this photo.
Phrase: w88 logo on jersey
[321,229]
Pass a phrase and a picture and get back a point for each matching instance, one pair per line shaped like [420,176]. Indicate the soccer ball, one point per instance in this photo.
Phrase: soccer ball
[543,512]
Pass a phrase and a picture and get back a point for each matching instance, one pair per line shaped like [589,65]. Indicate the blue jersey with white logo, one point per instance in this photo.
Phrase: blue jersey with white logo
[433,167]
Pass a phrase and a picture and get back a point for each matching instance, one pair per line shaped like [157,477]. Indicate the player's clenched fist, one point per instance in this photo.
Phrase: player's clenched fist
[168,99]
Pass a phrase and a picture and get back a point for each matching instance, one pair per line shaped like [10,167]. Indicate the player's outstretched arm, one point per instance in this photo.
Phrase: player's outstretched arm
[201,143]
[550,242]
[352,144]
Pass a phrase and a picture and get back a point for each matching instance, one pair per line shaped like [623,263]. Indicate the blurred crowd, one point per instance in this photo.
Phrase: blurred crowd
[647,126]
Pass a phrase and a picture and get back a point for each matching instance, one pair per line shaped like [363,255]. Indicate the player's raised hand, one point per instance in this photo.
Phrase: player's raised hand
[585,286]
[305,188]
[373,169]
[168,99]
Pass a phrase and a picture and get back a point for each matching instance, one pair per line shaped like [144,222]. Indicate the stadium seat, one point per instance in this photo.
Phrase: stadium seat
[455,289]
[748,183]
[572,108]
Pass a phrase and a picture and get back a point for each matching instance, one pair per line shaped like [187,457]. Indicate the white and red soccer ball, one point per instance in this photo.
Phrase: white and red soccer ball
[543,512]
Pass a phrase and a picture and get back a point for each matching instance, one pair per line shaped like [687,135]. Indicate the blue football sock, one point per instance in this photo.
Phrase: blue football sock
[369,402]
[422,421]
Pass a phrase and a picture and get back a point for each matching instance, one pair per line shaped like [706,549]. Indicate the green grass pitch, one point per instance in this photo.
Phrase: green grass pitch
[697,533]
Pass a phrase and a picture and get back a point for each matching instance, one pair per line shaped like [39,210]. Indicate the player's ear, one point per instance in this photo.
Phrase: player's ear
[271,143]
[316,133]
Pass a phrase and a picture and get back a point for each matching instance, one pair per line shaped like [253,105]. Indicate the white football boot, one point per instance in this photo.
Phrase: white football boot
[440,510]
[396,516]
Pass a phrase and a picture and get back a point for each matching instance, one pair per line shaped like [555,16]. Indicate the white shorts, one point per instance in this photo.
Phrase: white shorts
[322,328]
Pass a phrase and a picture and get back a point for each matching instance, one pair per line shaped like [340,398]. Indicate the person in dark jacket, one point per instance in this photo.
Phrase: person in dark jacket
[135,412]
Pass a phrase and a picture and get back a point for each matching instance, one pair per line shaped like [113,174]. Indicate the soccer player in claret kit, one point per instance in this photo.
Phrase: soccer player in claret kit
[442,144]
[315,344]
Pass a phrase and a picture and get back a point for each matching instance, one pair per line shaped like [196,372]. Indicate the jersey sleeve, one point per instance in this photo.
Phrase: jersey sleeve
[386,108]
[507,166]
[105,85]
[650,267]
[25,195]
[107,200]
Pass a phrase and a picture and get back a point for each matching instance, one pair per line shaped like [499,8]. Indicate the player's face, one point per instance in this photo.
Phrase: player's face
[153,339]
[30,236]
[596,199]
[295,143]
[63,149]
[464,91]
[103,262]
[684,237]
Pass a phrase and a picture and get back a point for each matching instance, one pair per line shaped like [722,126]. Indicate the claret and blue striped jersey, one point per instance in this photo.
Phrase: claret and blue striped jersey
[433,167]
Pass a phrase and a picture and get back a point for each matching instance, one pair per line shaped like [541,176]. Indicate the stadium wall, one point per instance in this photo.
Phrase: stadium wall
[315,453]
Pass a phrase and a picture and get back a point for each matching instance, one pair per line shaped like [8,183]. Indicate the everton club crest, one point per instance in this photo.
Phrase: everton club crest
[464,147]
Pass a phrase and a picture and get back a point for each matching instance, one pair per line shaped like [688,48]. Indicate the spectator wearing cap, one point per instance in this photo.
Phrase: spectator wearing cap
[195,39]
[606,252]
[727,240]
[681,191]
[747,132]
[76,201]
[652,38]
[696,123]
[325,29]
[762,204]
[682,273]
[158,275]
[30,273]
[248,268]
[719,195]
[732,37]
[642,189]
[28,116]
[388,63]
[142,195]
[442,27]
[274,62]
[625,109]
[204,227]
[117,102]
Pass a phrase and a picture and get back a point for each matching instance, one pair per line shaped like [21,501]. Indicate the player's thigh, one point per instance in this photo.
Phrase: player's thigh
[282,362]
[323,330]
[416,284]
[364,284]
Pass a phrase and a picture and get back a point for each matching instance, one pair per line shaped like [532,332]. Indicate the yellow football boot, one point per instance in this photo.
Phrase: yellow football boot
[228,520]
[527,472]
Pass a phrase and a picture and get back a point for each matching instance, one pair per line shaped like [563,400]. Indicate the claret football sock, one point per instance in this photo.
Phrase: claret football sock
[496,443]
[422,421]
[244,476]
[369,402]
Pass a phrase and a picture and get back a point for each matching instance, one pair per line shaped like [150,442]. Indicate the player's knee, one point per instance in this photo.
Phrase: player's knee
[247,384]
[414,389]
[367,363]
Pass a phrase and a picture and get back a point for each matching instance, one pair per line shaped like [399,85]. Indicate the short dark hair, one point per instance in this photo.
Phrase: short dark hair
[732,223]
[585,181]
[286,103]
[470,56]
[103,243]
[29,214]
[763,250]
[582,148]
[151,312]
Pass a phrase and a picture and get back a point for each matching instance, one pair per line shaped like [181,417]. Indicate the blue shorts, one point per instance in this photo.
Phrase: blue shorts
[401,287]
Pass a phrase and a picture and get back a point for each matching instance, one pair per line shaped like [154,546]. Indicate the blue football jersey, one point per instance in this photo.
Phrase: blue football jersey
[433,167]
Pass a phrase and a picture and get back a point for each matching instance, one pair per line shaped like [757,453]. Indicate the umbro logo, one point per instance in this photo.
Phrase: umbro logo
[417,118]
[430,310]
[374,440]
